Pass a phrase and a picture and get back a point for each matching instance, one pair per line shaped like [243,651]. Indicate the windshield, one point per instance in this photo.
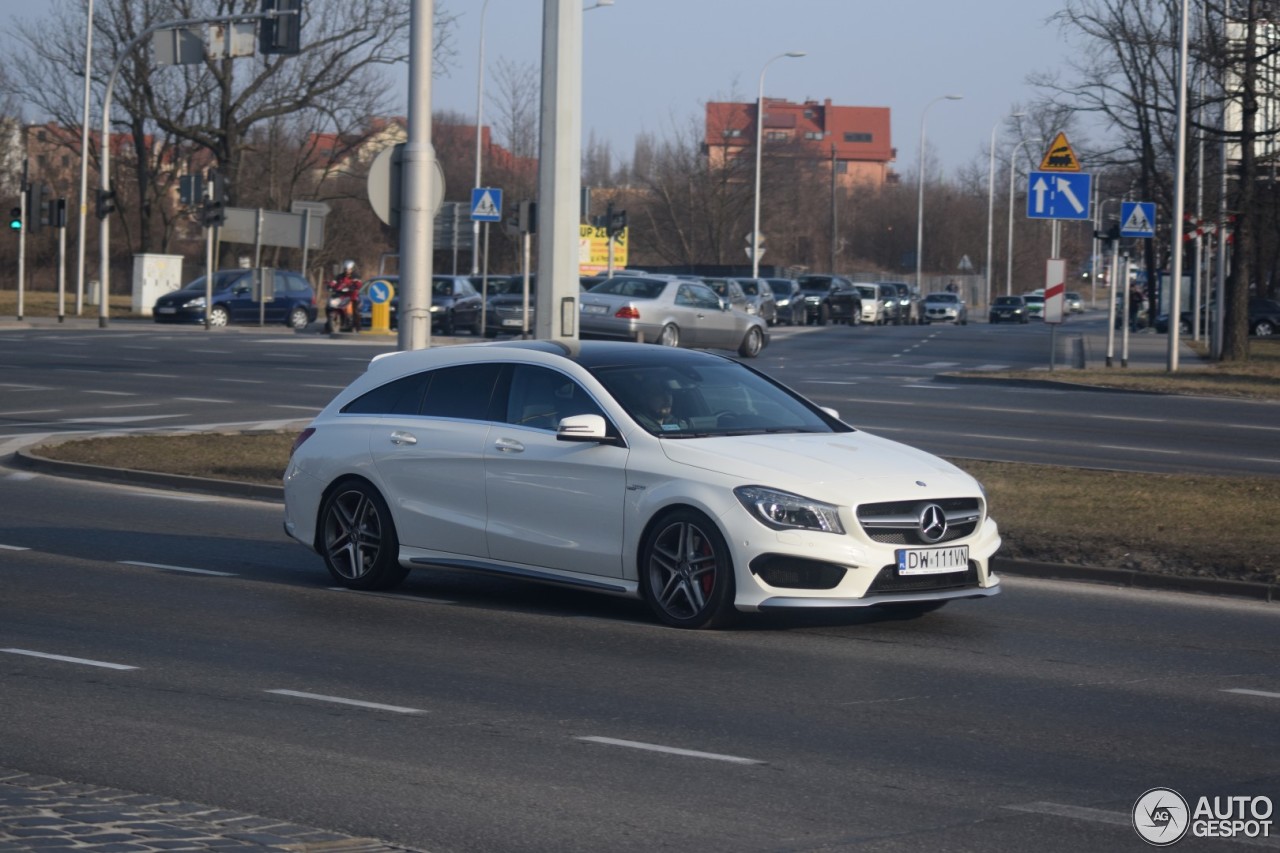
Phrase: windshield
[750,288]
[682,401]
[221,280]
[636,288]
[781,288]
[943,297]
[1008,300]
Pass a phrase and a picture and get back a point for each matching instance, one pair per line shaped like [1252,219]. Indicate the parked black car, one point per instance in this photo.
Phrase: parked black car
[455,304]
[817,289]
[1264,318]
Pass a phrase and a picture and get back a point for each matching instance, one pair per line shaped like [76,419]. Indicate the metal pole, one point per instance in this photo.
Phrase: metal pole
[84,163]
[755,219]
[833,209]
[417,237]
[1115,290]
[1179,193]
[475,225]
[62,270]
[22,239]
[1013,160]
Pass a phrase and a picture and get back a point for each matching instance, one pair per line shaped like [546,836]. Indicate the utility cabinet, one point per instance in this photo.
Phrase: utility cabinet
[153,277]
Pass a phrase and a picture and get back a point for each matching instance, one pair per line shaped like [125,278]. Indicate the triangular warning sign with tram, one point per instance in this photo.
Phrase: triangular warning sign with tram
[1060,157]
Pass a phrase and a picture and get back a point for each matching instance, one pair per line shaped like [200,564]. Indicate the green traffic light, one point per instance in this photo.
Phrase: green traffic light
[15,219]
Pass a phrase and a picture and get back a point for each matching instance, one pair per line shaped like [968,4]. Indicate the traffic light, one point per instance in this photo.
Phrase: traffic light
[214,211]
[105,203]
[35,207]
[281,34]
[527,220]
[15,219]
[213,214]
[617,222]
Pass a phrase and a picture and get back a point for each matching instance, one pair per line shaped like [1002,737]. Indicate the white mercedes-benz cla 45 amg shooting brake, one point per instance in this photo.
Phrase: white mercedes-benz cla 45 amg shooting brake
[677,476]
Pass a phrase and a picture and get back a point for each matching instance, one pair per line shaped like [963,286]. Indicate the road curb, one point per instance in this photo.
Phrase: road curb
[177,482]
[1136,579]
[1130,578]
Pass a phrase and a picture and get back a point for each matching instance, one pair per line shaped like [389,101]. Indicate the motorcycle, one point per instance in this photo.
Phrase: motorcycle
[340,314]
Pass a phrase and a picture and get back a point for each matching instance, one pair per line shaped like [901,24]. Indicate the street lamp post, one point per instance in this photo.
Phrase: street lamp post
[84,162]
[920,182]
[755,221]
[475,225]
[991,201]
[1013,160]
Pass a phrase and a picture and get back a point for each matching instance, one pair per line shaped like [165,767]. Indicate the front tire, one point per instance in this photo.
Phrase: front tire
[358,538]
[1264,329]
[686,575]
[219,317]
[752,343]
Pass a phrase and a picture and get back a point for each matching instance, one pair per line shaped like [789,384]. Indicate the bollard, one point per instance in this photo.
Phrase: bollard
[1077,352]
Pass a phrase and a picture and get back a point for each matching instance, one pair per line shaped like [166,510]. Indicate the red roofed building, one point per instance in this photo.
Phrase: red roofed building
[859,136]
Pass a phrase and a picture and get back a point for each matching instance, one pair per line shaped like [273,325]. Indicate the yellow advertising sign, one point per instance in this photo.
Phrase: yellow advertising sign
[1060,157]
[593,250]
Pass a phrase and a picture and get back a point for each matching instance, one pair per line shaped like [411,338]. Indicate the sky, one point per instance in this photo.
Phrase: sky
[649,66]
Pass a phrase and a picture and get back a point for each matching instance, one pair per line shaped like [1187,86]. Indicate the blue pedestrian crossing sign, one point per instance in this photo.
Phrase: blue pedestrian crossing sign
[1137,219]
[486,204]
[1059,195]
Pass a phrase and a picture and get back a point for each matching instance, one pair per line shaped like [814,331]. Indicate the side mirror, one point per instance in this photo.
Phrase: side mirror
[584,428]
[724,306]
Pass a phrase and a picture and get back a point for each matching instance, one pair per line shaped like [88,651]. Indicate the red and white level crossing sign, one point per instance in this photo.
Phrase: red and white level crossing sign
[1055,289]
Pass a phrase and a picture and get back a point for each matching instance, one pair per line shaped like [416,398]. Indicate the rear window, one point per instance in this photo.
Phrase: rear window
[637,288]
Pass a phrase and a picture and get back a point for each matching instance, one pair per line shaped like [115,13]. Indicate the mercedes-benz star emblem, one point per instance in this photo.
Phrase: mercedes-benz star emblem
[933,523]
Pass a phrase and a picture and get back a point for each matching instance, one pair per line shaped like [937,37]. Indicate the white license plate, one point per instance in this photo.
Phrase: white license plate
[594,309]
[513,323]
[166,310]
[932,561]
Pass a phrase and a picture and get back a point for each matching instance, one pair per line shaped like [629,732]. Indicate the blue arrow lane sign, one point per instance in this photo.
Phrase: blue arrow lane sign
[486,204]
[1059,195]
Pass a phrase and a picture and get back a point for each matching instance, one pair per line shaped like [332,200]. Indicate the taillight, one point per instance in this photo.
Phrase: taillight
[628,312]
[302,436]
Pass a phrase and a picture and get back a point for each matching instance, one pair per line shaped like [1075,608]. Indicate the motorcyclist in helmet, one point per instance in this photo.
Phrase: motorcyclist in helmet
[347,286]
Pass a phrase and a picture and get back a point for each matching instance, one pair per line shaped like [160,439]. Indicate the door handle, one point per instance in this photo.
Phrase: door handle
[508,445]
[398,438]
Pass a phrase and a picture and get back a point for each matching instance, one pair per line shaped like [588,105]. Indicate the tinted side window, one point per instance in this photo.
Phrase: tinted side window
[465,391]
[540,397]
[400,397]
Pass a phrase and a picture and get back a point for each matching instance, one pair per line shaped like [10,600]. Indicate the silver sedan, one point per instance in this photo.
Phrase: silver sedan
[671,311]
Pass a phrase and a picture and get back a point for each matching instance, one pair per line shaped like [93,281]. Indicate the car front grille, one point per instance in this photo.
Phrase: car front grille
[889,581]
[898,522]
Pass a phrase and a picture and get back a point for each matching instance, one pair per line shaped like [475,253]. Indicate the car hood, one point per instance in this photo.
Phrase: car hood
[823,466]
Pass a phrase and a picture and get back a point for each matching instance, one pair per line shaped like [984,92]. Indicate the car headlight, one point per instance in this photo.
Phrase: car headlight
[198,302]
[435,309]
[785,511]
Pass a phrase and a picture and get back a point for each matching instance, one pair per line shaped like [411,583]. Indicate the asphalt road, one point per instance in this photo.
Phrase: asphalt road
[181,645]
[199,654]
[62,381]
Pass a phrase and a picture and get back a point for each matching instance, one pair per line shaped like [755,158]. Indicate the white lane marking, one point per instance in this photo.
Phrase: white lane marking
[138,346]
[341,701]
[201,400]
[1079,812]
[299,408]
[157,375]
[992,367]
[670,750]
[931,387]
[18,387]
[13,548]
[326,387]
[29,412]
[243,381]
[21,476]
[394,596]
[65,659]
[1128,418]
[111,393]
[827,382]
[132,406]
[122,419]
[176,568]
[1262,459]
[1000,437]
[212,351]
[1244,692]
[938,363]
[1015,411]
[1137,449]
